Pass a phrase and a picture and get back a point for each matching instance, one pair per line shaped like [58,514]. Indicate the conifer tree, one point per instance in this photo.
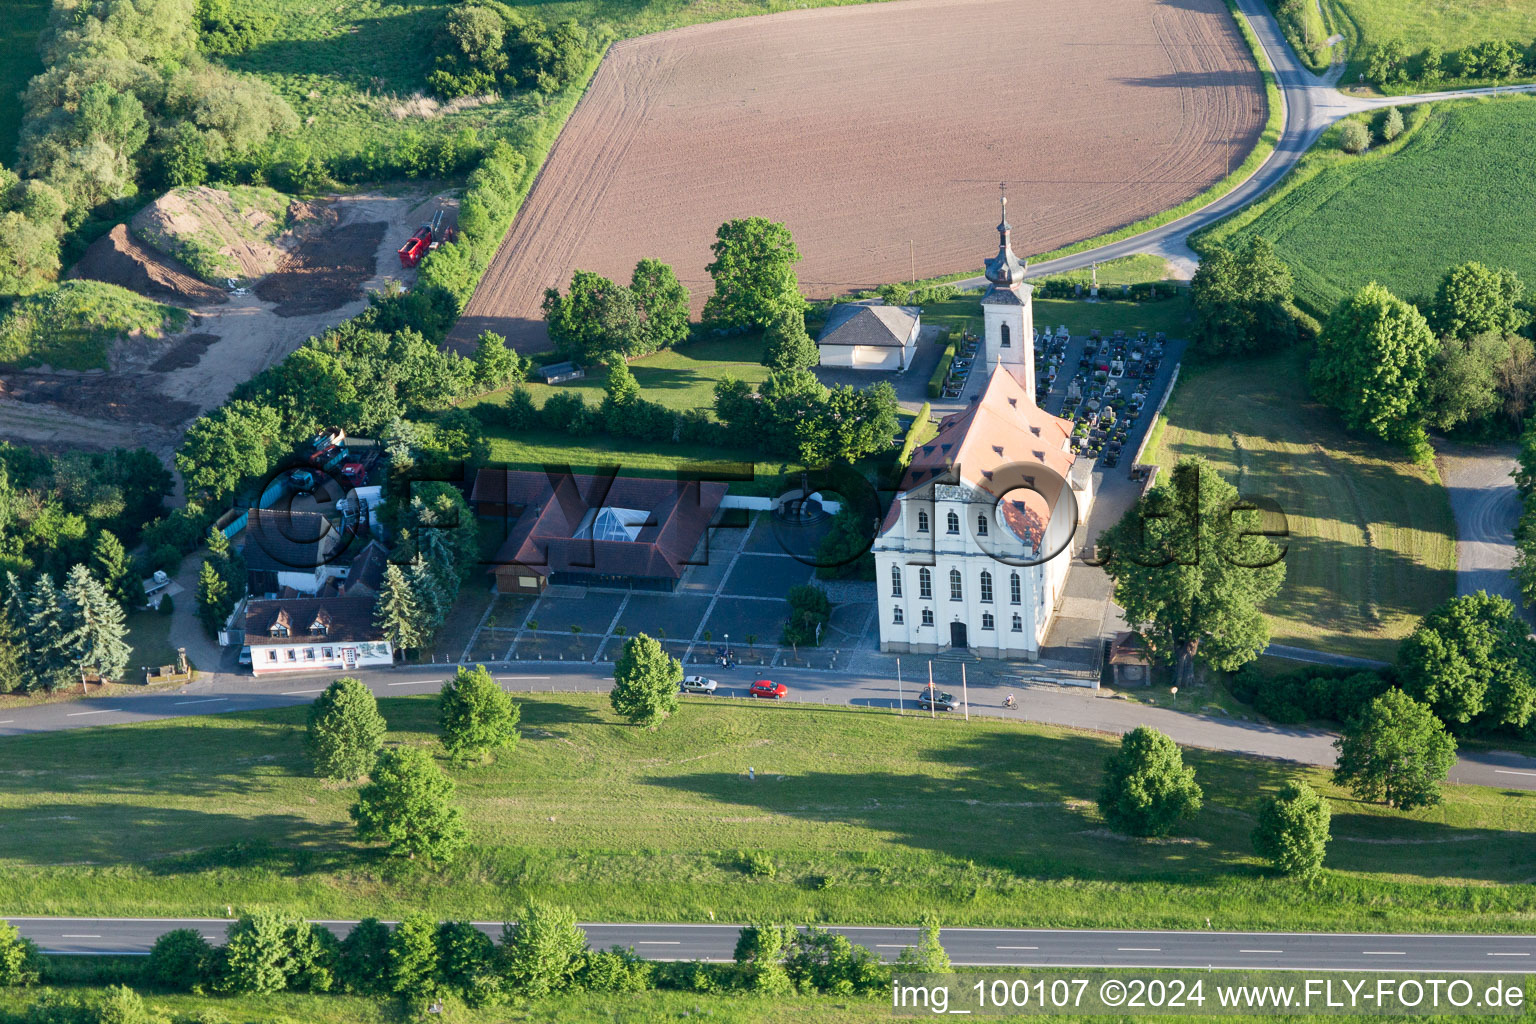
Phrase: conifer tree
[96,636]
[213,604]
[47,660]
[111,565]
[397,613]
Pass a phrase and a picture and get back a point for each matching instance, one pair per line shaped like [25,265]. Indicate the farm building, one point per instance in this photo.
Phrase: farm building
[625,532]
[975,549]
[300,634]
[869,337]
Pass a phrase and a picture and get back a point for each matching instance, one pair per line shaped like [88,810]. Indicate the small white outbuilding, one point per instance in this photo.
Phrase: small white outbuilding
[870,337]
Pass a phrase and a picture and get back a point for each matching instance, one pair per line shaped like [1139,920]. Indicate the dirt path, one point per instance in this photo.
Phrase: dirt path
[1486,506]
[879,134]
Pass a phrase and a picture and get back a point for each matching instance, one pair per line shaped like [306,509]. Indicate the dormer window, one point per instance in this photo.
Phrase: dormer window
[318,628]
[278,630]
[279,625]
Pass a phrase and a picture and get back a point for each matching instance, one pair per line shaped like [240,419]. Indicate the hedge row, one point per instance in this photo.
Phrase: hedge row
[936,382]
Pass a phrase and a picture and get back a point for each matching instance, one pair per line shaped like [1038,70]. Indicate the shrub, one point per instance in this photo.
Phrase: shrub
[614,970]
[1292,833]
[936,381]
[19,962]
[758,864]
[413,957]
[256,955]
[1391,124]
[181,960]
[122,1005]
[1354,137]
[1306,695]
[1147,789]
[362,961]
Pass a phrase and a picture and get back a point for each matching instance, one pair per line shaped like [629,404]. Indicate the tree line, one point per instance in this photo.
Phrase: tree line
[1463,364]
[1394,63]
[424,962]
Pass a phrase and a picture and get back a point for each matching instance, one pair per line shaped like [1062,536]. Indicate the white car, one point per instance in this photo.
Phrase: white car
[698,684]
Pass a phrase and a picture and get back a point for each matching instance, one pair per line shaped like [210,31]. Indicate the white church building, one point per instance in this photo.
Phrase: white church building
[975,549]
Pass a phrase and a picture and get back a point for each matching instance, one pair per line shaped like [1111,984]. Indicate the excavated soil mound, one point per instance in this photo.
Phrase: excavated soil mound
[129,398]
[325,270]
[212,217]
[117,259]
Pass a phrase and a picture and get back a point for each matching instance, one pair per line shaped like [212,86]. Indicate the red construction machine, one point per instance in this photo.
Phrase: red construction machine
[426,238]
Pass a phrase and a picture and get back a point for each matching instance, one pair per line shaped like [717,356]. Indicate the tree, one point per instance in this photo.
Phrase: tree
[1468,381]
[1474,299]
[1292,833]
[1472,661]
[397,614]
[1242,299]
[760,950]
[1391,124]
[1396,752]
[476,714]
[29,254]
[122,1005]
[409,806]
[929,955]
[847,549]
[346,731]
[1387,63]
[181,961]
[413,957]
[754,274]
[20,963]
[823,961]
[96,636]
[256,954]
[1192,573]
[1432,65]
[213,598]
[1147,789]
[787,346]
[466,962]
[622,398]
[111,564]
[663,304]
[228,446]
[594,319]
[810,609]
[496,365]
[1372,363]
[362,960]
[1354,137]
[542,951]
[645,682]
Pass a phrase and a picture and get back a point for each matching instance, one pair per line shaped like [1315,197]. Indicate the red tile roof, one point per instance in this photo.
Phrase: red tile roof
[553,509]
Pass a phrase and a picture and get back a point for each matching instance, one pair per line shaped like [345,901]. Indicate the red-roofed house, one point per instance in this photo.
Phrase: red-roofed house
[975,549]
[567,528]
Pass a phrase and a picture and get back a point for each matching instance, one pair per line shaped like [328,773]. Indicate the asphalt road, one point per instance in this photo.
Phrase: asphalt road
[1002,947]
[1048,704]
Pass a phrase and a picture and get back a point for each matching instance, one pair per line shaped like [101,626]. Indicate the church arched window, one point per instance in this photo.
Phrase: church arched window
[895,581]
[981,525]
[986,586]
[922,521]
[952,523]
[955,593]
[1015,592]
[1007,337]
[924,584]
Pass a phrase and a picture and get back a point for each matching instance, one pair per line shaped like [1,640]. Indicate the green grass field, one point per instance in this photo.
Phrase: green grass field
[1372,543]
[1171,316]
[73,326]
[869,817]
[20,23]
[1451,24]
[1342,221]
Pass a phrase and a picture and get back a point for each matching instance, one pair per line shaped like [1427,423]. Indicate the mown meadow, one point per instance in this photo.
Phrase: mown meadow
[865,817]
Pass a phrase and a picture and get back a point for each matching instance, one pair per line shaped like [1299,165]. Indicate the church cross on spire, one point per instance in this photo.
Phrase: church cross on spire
[1004,268]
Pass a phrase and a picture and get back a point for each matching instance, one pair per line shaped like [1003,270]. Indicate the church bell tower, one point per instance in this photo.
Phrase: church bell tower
[1007,313]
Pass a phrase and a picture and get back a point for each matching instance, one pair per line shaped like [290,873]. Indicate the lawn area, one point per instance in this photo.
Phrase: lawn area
[1372,543]
[1342,221]
[682,378]
[73,326]
[869,817]
[149,634]
[1451,24]
[23,20]
[1169,316]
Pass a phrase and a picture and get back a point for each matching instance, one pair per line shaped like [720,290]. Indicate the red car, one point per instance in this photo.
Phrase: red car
[768,688]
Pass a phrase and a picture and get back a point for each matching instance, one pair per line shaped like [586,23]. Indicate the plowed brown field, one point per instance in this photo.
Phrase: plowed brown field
[865,128]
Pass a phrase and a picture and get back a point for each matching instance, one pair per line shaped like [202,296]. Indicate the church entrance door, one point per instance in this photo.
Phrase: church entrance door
[957,636]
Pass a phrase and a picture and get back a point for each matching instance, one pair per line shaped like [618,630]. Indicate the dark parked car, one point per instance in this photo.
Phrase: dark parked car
[941,701]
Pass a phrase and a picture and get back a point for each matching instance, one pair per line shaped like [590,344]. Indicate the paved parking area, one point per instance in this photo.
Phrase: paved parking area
[738,592]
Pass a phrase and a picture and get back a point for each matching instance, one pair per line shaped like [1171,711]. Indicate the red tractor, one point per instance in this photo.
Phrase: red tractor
[426,238]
